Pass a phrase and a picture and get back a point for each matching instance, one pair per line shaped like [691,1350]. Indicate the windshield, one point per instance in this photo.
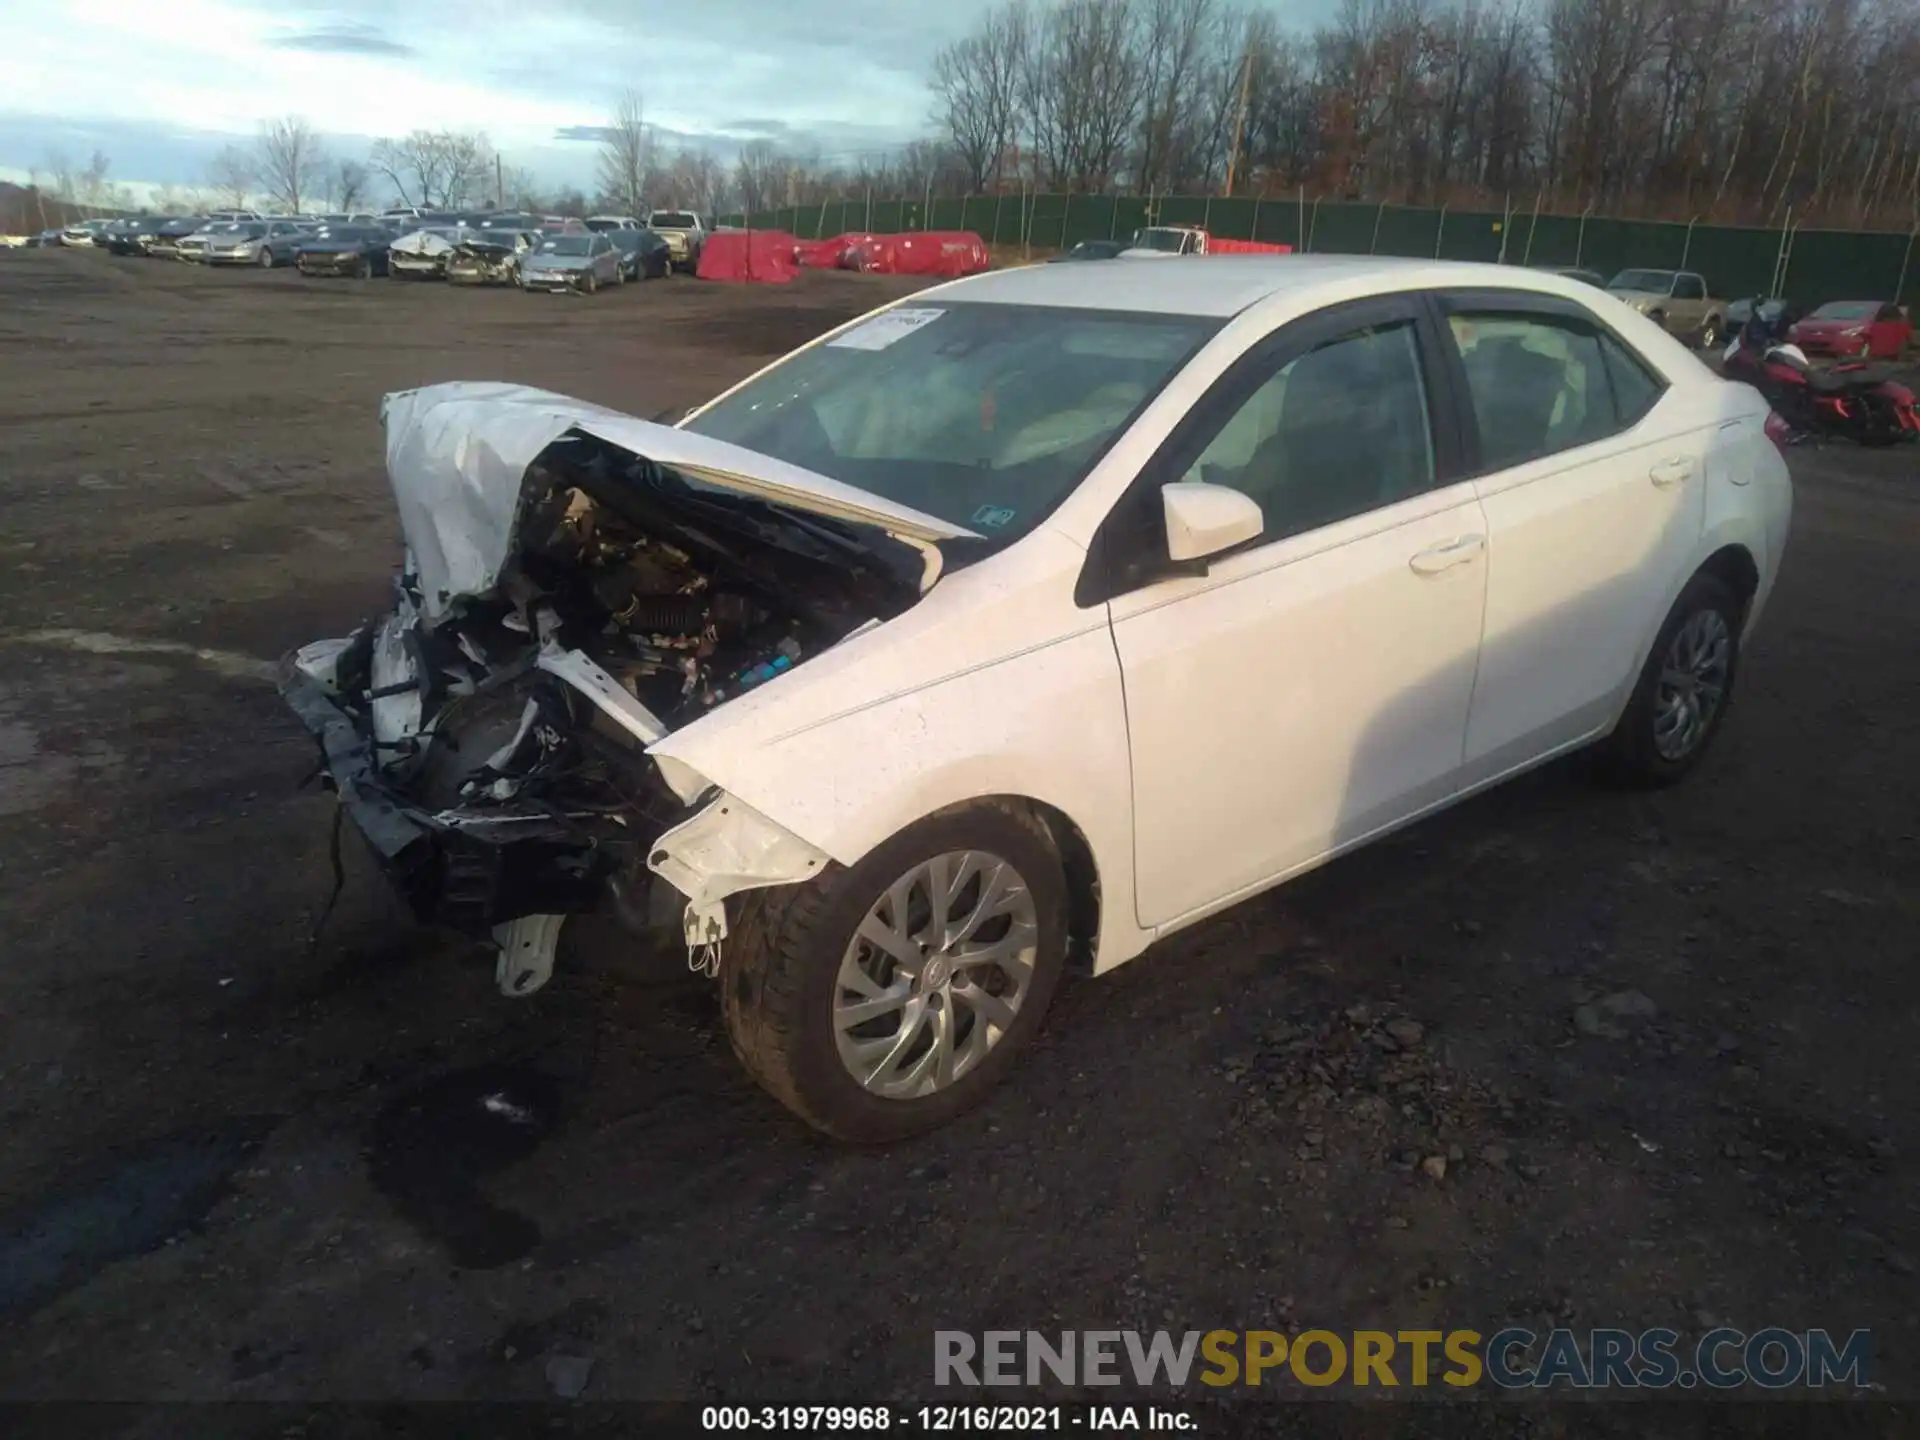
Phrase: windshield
[1847,310]
[602,224]
[673,220]
[248,232]
[506,238]
[566,245]
[987,416]
[351,234]
[1157,239]
[1658,282]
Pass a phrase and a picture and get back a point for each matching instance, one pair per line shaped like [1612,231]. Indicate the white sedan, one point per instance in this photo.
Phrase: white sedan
[1029,620]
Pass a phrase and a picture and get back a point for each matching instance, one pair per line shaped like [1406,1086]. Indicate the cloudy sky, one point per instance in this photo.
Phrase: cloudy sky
[161,86]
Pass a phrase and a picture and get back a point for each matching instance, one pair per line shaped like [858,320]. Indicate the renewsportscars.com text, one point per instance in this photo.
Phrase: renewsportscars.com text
[1722,1359]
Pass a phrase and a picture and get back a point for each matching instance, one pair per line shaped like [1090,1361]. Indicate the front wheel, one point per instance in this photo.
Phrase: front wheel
[882,1000]
[1680,701]
[591,283]
[265,262]
[363,269]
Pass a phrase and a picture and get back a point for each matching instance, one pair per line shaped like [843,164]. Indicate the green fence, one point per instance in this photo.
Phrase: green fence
[1810,265]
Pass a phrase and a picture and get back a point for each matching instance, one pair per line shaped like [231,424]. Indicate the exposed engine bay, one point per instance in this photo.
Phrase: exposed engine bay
[492,744]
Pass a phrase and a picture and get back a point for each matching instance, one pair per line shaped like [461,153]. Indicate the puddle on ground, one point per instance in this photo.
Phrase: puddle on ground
[431,1148]
[133,1202]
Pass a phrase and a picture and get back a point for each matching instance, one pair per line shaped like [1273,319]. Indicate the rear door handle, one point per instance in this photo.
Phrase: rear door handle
[1676,471]
[1459,551]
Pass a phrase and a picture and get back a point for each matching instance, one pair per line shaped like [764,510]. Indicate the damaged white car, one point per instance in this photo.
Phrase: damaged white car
[1028,621]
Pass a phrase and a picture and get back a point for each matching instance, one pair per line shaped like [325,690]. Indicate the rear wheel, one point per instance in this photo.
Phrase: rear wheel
[1710,332]
[1680,701]
[884,999]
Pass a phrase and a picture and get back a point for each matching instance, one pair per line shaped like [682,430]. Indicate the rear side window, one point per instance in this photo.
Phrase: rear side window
[1543,384]
[1635,390]
[1689,287]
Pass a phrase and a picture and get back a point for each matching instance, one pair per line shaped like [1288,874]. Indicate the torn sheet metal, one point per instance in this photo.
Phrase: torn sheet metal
[726,848]
[457,455]
[603,690]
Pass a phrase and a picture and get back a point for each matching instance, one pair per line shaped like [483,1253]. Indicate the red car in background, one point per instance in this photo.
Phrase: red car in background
[1854,330]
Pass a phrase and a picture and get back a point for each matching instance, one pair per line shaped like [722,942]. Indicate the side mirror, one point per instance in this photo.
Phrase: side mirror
[1204,520]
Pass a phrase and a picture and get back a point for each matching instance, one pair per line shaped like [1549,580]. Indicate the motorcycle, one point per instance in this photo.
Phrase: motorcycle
[1853,401]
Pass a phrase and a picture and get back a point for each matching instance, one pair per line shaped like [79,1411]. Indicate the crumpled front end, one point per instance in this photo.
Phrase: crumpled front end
[565,605]
[483,265]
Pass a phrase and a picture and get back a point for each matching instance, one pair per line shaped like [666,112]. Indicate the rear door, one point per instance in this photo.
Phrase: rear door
[1592,476]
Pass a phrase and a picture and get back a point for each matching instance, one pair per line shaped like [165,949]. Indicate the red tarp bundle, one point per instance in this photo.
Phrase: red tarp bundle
[842,252]
[945,253]
[765,256]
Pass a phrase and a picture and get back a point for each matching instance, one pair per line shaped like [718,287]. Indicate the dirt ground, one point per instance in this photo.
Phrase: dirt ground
[1663,1045]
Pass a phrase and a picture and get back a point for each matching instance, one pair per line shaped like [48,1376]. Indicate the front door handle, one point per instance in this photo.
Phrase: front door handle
[1676,471]
[1454,552]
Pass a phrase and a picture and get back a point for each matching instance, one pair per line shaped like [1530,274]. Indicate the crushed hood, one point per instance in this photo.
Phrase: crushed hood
[458,453]
[422,242]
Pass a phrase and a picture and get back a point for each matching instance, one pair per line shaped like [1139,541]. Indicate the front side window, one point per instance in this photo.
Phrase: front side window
[1542,384]
[1335,432]
[987,416]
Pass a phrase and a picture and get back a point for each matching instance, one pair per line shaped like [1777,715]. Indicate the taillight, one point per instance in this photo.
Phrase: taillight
[1779,431]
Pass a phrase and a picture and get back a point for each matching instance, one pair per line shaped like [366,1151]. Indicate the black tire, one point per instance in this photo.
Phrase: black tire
[1631,756]
[781,962]
[591,284]
[265,262]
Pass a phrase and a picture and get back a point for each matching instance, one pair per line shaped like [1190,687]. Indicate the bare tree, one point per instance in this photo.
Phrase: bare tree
[349,183]
[231,174]
[692,180]
[290,161]
[434,169]
[93,181]
[626,156]
[757,175]
[976,85]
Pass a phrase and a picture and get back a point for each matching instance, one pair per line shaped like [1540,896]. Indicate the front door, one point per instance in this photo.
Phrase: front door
[1313,687]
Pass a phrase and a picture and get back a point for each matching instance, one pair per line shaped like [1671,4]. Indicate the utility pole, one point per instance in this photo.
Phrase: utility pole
[499,201]
[1240,116]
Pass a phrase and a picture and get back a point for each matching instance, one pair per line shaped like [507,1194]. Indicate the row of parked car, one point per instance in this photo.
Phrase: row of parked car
[534,252]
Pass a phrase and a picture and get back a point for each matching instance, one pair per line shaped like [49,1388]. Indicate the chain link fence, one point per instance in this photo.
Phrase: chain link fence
[1811,266]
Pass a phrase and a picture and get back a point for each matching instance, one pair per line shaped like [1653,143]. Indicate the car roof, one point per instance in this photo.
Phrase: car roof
[1224,285]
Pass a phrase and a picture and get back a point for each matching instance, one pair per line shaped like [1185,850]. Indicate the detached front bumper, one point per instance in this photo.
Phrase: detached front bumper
[470,874]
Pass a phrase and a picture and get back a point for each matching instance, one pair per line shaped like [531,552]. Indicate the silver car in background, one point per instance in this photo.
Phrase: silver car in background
[573,262]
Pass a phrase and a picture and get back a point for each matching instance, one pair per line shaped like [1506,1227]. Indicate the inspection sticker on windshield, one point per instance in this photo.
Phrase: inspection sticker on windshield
[887,327]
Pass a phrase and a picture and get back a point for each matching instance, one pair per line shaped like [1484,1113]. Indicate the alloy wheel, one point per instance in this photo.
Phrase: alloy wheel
[1692,685]
[936,974]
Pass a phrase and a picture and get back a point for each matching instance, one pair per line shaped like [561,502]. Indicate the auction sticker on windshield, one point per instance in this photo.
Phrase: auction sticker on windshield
[886,328]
